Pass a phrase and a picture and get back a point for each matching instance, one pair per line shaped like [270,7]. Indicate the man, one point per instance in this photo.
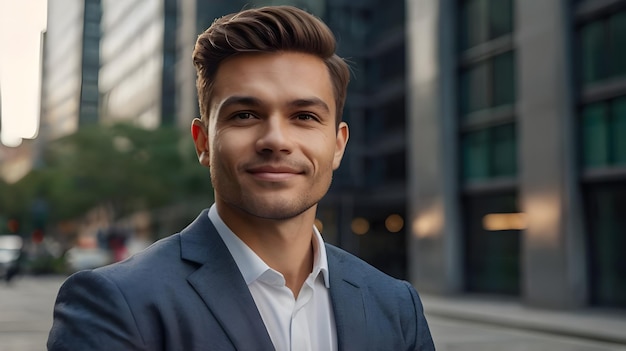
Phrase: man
[252,272]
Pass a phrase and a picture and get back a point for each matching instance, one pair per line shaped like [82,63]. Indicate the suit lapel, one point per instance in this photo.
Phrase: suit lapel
[220,284]
[348,303]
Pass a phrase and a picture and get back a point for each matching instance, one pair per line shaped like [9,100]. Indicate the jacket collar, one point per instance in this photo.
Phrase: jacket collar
[348,301]
[220,284]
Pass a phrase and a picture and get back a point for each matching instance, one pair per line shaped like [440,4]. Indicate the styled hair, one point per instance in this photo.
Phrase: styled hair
[266,29]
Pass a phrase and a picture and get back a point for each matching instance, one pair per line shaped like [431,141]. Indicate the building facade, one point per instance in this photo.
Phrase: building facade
[71,60]
[517,165]
[137,73]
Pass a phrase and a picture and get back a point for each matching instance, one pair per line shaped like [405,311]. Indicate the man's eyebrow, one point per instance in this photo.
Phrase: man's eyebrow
[240,100]
[309,102]
[255,102]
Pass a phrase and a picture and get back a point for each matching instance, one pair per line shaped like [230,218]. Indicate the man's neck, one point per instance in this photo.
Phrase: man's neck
[284,245]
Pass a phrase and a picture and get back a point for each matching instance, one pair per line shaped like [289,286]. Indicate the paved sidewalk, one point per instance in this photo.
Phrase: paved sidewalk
[26,312]
[593,324]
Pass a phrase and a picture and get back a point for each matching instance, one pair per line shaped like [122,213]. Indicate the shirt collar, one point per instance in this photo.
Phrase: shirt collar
[320,260]
[251,265]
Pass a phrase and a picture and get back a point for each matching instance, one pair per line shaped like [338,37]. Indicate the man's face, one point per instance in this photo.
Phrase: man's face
[272,142]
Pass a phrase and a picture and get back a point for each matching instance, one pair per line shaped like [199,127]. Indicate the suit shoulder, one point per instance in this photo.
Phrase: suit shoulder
[346,260]
[161,254]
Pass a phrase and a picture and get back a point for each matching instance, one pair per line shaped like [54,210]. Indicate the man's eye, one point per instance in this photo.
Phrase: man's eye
[243,115]
[306,117]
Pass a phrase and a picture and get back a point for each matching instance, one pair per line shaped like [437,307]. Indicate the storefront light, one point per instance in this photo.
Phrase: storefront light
[504,221]
[394,223]
[360,226]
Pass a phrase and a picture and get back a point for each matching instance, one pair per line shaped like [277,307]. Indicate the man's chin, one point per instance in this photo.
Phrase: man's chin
[277,212]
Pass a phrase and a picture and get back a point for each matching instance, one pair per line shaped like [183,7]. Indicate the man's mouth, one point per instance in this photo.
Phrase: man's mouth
[274,173]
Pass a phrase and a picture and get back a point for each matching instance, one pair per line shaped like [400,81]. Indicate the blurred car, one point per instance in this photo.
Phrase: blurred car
[80,258]
[10,253]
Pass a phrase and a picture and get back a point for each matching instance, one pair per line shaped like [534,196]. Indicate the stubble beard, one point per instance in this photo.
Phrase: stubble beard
[263,206]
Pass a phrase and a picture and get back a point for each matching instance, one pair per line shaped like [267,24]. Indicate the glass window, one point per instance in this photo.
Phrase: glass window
[504,150]
[605,205]
[90,92]
[603,130]
[595,135]
[90,75]
[91,45]
[374,170]
[475,88]
[88,113]
[92,12]
[358,81]
[617,26]
[492,258]
[374,125]
[500,17]
[618,131]
[386,67]
[592,41]
[396,166]
[170,5]
[372,73]
[603,48]
[393,115]
[360,25]
[393,64]
[476,155]
[473,23]
[389,15]
[91,51]
[488,84]
[489,153]
[169,32]
[484,20]
[504,79]
[92,29]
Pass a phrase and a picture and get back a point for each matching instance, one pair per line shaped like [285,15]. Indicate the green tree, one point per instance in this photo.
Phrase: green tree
[16,199]
[121,166]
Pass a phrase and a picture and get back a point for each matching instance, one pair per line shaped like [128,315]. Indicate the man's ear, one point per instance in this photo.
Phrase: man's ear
[343,134]
[200,136]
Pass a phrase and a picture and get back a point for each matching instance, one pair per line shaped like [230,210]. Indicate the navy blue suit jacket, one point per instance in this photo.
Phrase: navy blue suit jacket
[185,292]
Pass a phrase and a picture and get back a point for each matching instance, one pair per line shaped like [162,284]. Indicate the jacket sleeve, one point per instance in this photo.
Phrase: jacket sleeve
[423,338]
[91,313]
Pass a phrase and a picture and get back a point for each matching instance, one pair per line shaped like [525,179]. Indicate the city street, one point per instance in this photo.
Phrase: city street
[26,315]
[26,312]
[455,335]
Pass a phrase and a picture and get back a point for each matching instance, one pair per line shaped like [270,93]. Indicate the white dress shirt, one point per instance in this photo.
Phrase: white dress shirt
[303,324]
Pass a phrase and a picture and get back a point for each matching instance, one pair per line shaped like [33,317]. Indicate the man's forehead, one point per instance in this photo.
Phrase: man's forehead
[291,78]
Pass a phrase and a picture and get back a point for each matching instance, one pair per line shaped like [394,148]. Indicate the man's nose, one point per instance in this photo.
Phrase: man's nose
[274,136]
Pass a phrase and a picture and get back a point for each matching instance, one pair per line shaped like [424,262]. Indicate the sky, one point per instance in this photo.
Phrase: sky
[21,25]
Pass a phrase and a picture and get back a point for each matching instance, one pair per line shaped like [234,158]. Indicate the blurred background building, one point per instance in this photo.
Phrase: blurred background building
[517,155]
[71,63]
[488,137]
[367,207]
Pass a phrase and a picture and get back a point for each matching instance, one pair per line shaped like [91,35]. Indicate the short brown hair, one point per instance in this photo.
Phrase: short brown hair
[266,29]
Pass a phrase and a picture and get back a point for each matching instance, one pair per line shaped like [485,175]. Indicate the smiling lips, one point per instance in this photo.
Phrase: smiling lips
[273,173]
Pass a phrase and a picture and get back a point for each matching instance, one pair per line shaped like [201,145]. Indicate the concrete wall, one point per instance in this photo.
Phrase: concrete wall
[434,247]
[553,248]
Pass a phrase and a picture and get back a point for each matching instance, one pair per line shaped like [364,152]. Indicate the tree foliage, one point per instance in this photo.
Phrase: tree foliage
[124,167]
